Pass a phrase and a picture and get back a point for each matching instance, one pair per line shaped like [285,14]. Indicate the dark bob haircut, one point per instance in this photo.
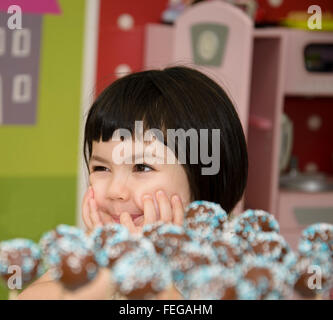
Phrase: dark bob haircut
[175,98]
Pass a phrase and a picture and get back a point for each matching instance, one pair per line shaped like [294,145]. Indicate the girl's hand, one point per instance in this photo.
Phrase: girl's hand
[90,214]
[170,212]
[100,288]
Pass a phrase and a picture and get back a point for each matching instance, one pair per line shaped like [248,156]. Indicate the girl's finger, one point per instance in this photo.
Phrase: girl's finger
[95,218]
[164,206]
[105,218]
[126,220]
[148,210]
[86,211]
[178,210]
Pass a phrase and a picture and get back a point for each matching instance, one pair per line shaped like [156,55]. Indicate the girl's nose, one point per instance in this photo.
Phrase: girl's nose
[118,188]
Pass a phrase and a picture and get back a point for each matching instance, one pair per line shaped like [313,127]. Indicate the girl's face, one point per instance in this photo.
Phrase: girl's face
[120,187]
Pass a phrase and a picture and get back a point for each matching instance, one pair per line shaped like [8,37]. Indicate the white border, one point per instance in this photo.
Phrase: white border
[87,93]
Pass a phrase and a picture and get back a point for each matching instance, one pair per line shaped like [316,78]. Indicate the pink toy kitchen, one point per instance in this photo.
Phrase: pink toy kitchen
[281,79]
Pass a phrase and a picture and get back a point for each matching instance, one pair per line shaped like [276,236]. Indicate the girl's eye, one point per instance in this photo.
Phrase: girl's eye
[140,167]
[99,168]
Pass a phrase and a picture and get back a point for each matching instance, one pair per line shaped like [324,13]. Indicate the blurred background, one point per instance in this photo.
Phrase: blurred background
[273,57]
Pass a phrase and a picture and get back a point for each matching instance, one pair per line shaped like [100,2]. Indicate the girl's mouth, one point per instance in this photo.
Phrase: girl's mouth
[136,218]
[115,219]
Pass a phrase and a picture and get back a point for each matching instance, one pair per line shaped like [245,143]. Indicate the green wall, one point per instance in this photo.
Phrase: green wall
[38,164]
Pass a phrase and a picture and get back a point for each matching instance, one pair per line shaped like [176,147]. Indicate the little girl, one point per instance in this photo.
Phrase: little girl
[137,179]
[175,98]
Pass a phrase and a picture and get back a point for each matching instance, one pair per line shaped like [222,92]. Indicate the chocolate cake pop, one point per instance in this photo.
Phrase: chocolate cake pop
[273,247]
[62,230]
[107,256]
[230,251]
[315,250]
[251,222]
[166,237]
[263,279]
[317,237]
[141,274]
[189,256]
[109,235]
[204,221]
[202,230]
[314,274]
[72,261]
[22,253]
[211,282]
[204,208]
[254,279]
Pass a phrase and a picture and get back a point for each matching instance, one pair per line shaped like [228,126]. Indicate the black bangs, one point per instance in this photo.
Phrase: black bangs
[129,99]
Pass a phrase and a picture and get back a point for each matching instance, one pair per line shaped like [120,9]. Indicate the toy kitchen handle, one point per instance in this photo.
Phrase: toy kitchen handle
[286,141]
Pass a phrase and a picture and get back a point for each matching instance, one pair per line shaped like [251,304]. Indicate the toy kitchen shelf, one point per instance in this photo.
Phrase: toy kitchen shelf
[260,69]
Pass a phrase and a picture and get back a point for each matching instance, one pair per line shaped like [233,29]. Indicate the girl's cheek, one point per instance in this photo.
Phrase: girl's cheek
[91,180]
[98,188]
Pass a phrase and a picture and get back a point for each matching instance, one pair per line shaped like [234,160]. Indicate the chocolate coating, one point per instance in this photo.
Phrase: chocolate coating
[62,230]
[204,221]
[203,208]
[141,274]
[263,279]
[109,235]
[212,282]
[274,248]
[167,238]
[107,256]
[22,253]
[252,222]
[317,237]
[228,254]
[73,262]
[190,256]
[317,267]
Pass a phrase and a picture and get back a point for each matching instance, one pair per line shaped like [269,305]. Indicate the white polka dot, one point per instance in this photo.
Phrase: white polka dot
[122,70]
[125,21]
[208,44]
[314,122]
[311,167]
[275,3]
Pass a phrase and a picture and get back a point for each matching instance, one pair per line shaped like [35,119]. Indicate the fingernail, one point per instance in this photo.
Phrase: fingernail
[160,193]
[175,198]
[147,196]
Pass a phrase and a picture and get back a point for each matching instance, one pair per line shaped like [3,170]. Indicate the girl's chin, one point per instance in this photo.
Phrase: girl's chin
[106,218]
